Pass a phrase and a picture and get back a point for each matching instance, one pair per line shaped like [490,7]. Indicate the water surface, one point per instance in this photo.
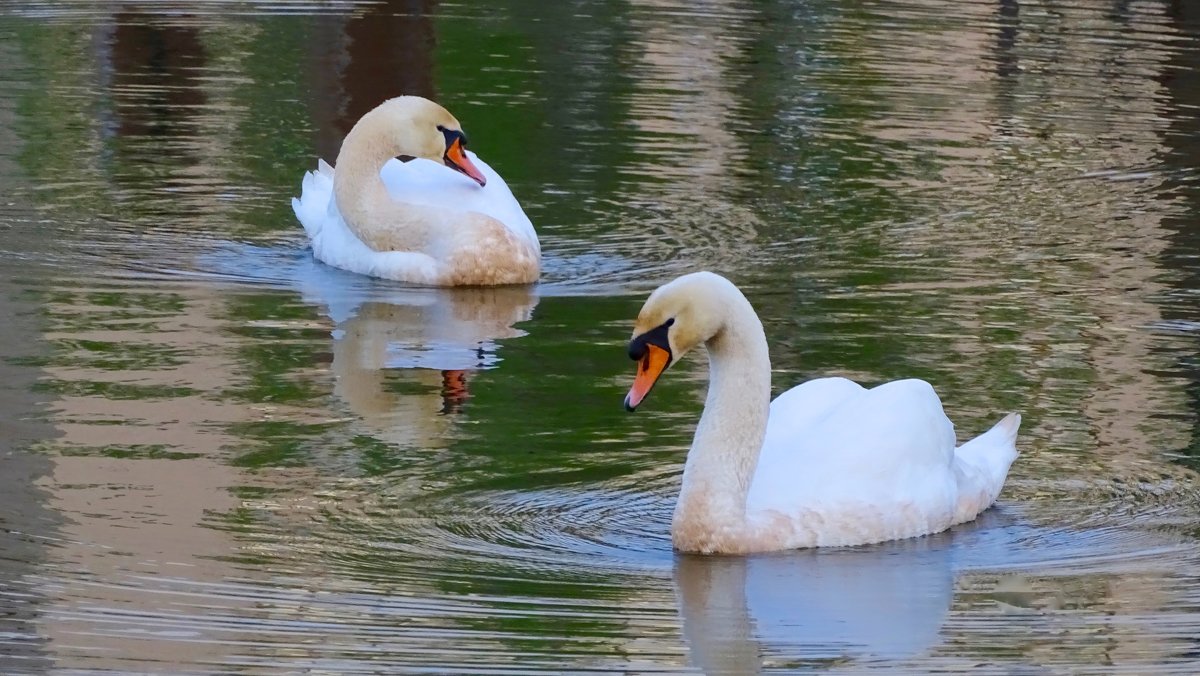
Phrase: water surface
[219,456]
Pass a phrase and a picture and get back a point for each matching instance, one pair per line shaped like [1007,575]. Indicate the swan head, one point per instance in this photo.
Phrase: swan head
[677,317]
[421,128]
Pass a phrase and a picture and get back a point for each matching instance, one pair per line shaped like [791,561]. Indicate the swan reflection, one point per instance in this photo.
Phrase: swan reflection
[814,607]
[403,356]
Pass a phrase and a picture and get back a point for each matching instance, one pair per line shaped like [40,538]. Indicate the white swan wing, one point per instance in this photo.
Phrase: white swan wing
[798,409]
[425,182]
[875,465]
[417,181]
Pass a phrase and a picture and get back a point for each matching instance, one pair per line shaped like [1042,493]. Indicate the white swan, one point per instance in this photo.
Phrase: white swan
[828,463]
[444,218]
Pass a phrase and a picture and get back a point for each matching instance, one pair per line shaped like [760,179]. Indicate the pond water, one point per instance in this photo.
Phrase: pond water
[218,456]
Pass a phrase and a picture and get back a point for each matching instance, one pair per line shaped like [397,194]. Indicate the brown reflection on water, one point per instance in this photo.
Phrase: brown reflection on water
[1067,222]
[138,478]
[1055,611]
[927,79]
[141,472]
[685,106]
[1112,263]
[168,121]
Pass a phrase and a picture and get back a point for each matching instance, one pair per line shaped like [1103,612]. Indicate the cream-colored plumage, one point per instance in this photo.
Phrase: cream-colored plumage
[827,463]
[419,221]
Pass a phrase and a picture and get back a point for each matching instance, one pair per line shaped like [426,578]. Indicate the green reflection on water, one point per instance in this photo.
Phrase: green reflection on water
[279,358]
[275,443]
[109,390]
[130,452]
[526,429]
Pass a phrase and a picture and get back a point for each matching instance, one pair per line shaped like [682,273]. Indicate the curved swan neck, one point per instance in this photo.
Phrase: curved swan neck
[359,191]
[383,133]
[711,512]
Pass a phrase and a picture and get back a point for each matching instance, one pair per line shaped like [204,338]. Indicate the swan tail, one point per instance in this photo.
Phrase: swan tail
[981,466]
[316,194]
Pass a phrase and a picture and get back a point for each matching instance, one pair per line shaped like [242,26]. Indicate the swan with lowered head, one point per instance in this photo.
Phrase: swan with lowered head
[443,218]
[828,463]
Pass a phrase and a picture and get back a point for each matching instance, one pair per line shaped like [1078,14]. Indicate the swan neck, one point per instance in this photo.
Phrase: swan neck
[724,455]
[357,185]
[377,137]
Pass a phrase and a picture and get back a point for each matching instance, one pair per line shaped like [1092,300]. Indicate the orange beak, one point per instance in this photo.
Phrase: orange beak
[456,158]
[650,367]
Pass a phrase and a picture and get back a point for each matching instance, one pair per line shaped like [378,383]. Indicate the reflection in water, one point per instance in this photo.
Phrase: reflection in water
[403,357]
[684,107]
[26,524]
[26,521]
[359,60]
[1181,255]
[893,603]
[155,73]
[813,607]
[134,463]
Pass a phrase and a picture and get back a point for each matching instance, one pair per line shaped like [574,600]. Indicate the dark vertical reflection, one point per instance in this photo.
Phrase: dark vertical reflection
[1181,80]
[1006,37]
[154,81]
[1007,63]
[1120,12]
[361,60]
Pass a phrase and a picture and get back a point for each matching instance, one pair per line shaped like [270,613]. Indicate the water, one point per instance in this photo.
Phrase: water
[218,456]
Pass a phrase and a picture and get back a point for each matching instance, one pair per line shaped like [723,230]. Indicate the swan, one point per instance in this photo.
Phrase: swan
[443,218]
[828,463]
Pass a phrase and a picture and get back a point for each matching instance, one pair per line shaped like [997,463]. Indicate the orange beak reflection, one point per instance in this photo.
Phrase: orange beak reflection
[650,367]
[456,158]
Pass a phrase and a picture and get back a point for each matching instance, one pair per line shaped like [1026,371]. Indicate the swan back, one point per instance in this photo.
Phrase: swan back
[831,444]
[433,184]
[847,465]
